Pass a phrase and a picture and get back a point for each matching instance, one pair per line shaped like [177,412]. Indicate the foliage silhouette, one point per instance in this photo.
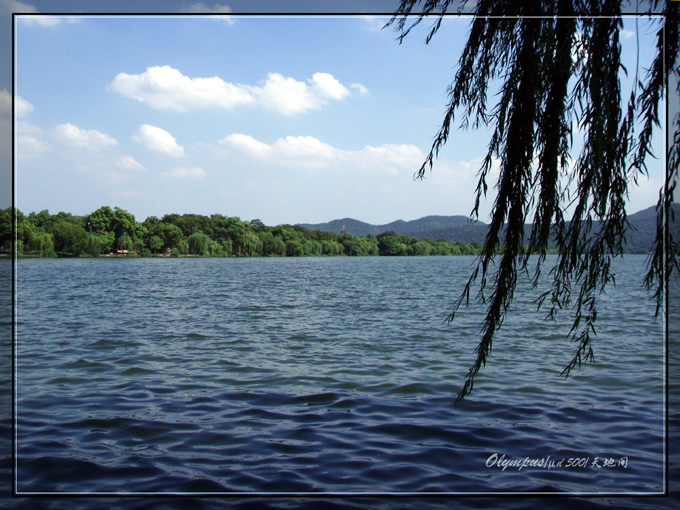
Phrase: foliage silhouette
[558,63]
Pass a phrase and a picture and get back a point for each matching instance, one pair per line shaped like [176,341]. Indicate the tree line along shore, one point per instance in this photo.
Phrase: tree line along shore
[115,232]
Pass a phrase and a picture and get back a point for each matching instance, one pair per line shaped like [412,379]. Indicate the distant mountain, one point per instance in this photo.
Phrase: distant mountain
[460,228]
[421,228]
[643,224]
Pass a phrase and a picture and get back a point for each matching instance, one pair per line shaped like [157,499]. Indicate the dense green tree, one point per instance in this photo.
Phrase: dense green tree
[98,243]
[140,233]
[371,245]
[322,235]
[173,218]
[124,242]
[183,247]
[191,224]
[6,236]
[93,245]
[286,232]
[391,244]
[257,226]
[453,250]
[199,244]
[151,221]
[421,249]
[123,223]
[119,222]
[312,248]
[553,73]
[100,220]
[25,231]
[226,247]
[42,220]
[245,242]
[294,248]
[155,244]
[216,249]
[43,243]
[219,225]
[332,248]
[70,238]
[352,244]
[107,229]
[170,233]
[62,216]
[272,246]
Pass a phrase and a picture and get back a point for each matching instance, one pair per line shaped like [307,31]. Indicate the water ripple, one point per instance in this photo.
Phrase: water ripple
[317,375]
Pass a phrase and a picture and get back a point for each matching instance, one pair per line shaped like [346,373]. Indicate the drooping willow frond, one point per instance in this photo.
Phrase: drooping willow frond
[559,64]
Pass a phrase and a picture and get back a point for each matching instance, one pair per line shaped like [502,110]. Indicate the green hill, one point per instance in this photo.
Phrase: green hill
[421,228]
[460,228]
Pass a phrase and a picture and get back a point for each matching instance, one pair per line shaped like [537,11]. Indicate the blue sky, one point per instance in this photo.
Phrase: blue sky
[283,118]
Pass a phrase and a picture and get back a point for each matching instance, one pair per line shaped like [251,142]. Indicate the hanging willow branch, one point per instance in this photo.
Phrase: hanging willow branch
[559,63]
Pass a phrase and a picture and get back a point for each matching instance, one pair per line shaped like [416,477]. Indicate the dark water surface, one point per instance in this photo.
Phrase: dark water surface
[324,376]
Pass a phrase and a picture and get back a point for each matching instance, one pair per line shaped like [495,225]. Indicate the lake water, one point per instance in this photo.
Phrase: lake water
[328,376]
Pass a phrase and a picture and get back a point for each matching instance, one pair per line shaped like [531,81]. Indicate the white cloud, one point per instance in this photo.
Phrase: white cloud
[201,8]
[375,23]
[285,95]
[26,128]
[309,152]
[247,144]
[43,21]
[627,34]
[129,163]
[158,140]
[166,88]
[28,146]
[463,173]
[186,173]
[217,12]
[360,88]
[305,151]
[83,138]
[326,86]
[18,7]
[28,140]
[39,20]
[289,96]
[21,107]
[391,157]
